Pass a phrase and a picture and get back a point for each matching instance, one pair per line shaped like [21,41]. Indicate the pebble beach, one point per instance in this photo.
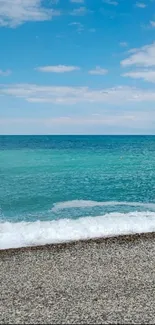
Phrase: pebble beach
[99,281]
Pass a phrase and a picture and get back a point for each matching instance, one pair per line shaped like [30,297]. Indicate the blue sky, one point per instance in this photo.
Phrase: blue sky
[77,67]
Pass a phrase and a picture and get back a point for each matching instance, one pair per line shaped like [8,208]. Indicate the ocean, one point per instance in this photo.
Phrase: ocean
[63,188]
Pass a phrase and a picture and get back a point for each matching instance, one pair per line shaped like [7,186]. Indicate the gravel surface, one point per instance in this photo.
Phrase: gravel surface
[90,282]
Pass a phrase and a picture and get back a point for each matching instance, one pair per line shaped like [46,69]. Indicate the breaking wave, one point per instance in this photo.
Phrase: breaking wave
[21,234]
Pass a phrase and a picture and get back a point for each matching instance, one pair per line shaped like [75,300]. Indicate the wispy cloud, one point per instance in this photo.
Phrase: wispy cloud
[54,2]
[58,68]
[5,73]
[72,95]
[141,5]
[137,122]
[82,11]
[146,75]
[77,1]
[149,26]
[123,44]
[152,23]
[98,71]
[144,57]
[67,120]
[79,26]
[111,2]
[16,12]
[92,30]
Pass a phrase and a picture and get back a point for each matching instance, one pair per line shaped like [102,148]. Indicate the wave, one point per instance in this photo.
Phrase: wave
[22,234]
[91,204]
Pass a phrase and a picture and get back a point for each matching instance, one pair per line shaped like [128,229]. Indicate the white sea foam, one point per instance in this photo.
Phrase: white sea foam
[90,204]
[13,235]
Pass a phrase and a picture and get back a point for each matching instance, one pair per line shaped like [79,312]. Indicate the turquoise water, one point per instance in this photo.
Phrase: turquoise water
[65,178]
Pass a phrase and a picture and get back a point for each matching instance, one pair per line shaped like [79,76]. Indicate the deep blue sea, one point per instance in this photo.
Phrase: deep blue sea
[61,188]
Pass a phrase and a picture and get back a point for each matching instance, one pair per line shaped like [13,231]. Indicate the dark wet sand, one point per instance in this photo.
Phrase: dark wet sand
[90,282]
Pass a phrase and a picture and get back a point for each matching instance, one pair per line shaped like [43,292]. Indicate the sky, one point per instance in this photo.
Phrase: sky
[77,67]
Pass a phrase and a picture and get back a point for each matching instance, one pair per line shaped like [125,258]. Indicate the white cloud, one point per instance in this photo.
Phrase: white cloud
[16,12]
[141,5]
[146,75]
[144,57]
[5,73]
[98,71]
[111,2]
[133,50]
[72,95]
[80,11]
[58,68]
